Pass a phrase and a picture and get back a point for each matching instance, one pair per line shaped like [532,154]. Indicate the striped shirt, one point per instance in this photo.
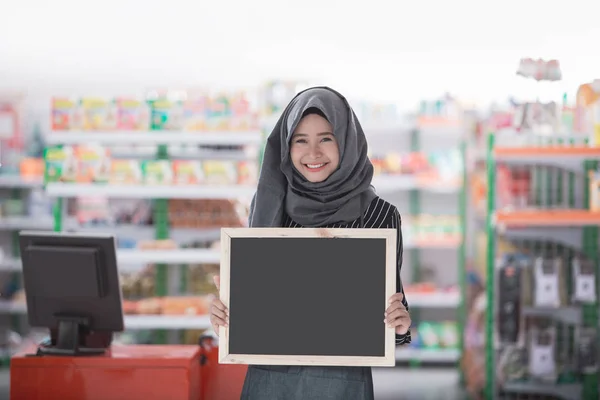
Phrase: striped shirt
[379,214]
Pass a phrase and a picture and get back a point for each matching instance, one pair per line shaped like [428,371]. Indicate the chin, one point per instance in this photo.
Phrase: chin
[314,178]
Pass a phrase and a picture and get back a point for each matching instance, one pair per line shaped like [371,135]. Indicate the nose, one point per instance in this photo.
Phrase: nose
[315,151]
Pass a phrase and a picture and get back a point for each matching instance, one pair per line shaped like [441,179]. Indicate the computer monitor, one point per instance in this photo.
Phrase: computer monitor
[72,287]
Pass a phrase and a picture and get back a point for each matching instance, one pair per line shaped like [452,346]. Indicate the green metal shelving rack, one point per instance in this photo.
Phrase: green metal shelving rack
[415,253]
[162,231]
[462,259]
[589,245]
[161,223]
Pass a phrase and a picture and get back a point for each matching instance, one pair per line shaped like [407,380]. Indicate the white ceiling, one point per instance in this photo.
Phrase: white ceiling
[389,50]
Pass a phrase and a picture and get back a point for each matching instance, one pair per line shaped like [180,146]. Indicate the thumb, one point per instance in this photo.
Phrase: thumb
[217,280]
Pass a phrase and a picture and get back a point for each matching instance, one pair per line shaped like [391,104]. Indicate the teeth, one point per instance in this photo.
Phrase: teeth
[314,165]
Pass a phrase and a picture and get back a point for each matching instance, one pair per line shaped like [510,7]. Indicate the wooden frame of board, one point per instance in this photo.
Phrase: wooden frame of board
[389,235]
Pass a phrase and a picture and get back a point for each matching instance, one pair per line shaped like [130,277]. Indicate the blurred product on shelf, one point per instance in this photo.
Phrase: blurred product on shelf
[428,288]
[478,189]
[12,142]
[435,335]
[594,181]
[12,207]
[428,168]
[543,118]
[122,172]
[276,94]
[188,172]
[166,115]
[31,168]
[443,112]
[431,230]
[201,279]
[587,111]
[190,112]
[513,187]
[132,114]
[93,164]
[473,362]
[157,172]
[93,211]
[175,305]
[206,214]
[371,114]
[162,244]
[526,187]
[540,70]
[535,309]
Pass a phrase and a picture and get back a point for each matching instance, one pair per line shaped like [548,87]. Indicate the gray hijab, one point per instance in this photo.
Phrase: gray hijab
[343,197]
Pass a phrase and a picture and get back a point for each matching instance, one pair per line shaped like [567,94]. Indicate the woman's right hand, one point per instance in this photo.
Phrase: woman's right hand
[219,315]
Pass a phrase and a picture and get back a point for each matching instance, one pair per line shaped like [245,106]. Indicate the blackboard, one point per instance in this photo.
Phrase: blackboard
[303,296]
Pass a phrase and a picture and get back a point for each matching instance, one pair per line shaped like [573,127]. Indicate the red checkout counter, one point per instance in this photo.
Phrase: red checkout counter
[72,288]
[128,372]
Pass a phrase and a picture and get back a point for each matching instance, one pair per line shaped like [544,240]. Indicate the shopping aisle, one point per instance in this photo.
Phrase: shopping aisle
[417,384]
[4,384]
[390,384]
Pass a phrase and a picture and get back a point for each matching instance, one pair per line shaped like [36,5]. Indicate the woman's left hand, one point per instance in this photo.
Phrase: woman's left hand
[396,315]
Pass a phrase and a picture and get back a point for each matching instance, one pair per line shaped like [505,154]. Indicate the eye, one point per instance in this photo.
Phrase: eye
[300,141]
[327,139]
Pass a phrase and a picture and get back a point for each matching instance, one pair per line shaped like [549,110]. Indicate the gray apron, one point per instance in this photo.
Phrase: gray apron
[307,383]
[268,382]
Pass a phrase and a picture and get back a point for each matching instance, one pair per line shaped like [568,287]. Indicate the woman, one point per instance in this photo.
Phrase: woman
[316,173]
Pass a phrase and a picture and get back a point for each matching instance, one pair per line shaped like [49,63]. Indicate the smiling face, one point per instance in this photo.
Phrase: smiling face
[314,150]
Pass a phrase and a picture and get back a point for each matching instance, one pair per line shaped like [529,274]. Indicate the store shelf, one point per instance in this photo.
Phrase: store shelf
[566,315]
[179,152]
[148,232]
[427,355]
[9,307]
[564,391]
[10,264]
[127,258]
[391,183]
[179,256]
[134,321]
[150,191]
[139,232]
[434,242]
[167,322]
[536,218]
[433,300]
[155,138]
[26,223]
[19,182]
[544,152]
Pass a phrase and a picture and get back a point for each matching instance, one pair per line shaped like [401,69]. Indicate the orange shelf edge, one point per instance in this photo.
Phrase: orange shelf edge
[437,242]
[548,217]
[547,151]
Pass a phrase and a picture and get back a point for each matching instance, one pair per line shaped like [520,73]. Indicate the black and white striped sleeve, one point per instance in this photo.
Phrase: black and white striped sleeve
[397,224]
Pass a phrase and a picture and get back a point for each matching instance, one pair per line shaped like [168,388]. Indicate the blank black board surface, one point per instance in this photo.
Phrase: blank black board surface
[307,296]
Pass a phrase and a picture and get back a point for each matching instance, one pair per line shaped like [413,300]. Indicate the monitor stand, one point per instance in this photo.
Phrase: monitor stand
[73,339]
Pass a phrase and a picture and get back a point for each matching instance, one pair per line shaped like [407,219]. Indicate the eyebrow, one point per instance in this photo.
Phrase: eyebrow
[318,134]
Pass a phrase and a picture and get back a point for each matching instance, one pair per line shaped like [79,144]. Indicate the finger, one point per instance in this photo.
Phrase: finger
[403,327]
[393,307]
[219,304]
[396,297]
[394,315]
[403,319]
[216,322]
[219,313]
[323,232]
[217,280]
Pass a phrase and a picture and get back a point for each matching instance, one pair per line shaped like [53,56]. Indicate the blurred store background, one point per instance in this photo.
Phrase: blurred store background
[483,120]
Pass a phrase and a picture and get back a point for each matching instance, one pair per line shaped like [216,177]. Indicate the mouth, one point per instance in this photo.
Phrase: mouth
[315,167]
